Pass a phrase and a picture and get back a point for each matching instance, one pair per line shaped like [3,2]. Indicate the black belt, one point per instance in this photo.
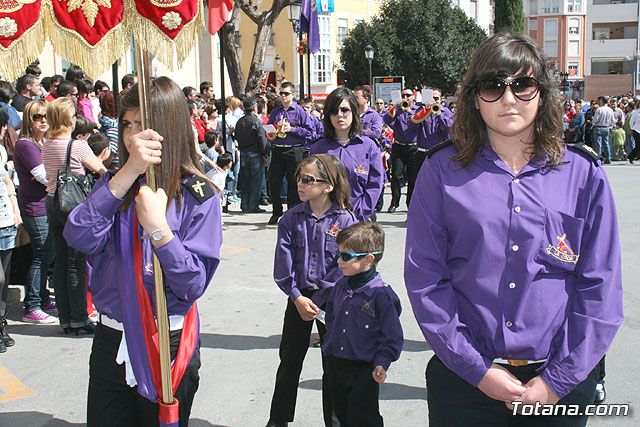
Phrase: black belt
[286,146]
[406,143]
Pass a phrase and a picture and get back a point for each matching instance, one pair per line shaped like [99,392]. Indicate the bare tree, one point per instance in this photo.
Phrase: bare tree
[264,20]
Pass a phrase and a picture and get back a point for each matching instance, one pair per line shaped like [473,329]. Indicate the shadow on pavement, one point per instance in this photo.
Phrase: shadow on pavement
[38,419]
[53,330]
[399,224]
[239,342]
[388,391]
[415,346]
[33,419]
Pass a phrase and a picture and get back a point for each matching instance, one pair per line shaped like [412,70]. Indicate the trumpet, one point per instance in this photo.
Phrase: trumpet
[425,112]
[405,104]
[392,111]
[281,132]
[435,109]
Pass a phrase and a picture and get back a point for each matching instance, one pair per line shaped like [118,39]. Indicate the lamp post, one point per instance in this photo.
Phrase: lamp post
[295,9]
[368,53]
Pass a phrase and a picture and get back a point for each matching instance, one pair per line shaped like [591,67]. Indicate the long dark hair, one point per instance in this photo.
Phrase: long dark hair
[503,55]
[331,106]
[171,120]
[331,168]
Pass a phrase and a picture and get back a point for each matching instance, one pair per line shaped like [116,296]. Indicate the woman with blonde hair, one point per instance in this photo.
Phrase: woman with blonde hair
[69,271]
[31,199]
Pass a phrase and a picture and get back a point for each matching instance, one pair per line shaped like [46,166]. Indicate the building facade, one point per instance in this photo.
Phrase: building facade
[612,47]
[559,28]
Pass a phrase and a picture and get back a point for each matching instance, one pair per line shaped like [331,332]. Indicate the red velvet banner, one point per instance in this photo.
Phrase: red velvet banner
[168,15]
[90,19]
[16,18]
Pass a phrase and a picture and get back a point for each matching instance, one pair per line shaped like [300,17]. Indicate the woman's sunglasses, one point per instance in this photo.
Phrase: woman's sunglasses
[37,117]
[348,256]
[344,110]
[308,179]
[523,88]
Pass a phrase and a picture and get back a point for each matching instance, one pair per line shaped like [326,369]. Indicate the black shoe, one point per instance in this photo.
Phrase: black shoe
[89,328]
[257,210]
[274,219]
[607,162]
[264,202]
[225,209]
[272,423]
[3,347]
[392,209]
[630,160]
[4,335]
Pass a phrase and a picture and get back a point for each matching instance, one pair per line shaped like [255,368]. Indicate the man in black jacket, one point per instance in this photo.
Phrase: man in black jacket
[252,142]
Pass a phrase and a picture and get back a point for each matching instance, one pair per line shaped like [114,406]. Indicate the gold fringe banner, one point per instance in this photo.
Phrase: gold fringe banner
[22,52]
[157,43]
[94,60]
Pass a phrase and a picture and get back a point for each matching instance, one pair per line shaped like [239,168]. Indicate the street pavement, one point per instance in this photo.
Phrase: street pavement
[43,378]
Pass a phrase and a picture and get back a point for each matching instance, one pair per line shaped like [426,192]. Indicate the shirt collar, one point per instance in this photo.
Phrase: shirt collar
[367,289]
[535,162]
[307,210]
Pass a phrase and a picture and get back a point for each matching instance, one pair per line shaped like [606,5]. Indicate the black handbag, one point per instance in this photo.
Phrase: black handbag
[71,189]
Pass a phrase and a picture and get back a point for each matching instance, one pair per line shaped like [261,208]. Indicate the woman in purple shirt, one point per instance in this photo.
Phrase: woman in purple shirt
[512,258]
[360,156]
[27,158]
[120,225]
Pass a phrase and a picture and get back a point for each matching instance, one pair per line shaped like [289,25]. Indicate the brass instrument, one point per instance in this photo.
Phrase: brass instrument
[392,111]
[281,132]
[435,108]
[405,104]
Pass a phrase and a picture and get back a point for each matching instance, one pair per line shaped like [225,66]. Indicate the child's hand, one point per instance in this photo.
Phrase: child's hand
[306,308]
[379,374]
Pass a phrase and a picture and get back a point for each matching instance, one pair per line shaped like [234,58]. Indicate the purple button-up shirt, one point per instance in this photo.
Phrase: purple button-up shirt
[402,132]
[364,324]
[188,260]
[302,126]
[362,160]
[523,267]
[306,251]
[434,129]
[371,123]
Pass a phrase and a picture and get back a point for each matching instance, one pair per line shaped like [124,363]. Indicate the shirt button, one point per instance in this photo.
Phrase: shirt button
[509,324]
[341,348]
[516,181]
[512,285]
[366,326]
[346,313]
[350,296]
[515,248]
[517,209]
[344,331]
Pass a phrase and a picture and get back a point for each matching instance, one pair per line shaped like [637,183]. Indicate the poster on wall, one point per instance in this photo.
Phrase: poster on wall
[326,6]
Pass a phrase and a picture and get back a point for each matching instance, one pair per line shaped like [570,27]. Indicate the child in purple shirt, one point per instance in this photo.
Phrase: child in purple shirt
[364,334]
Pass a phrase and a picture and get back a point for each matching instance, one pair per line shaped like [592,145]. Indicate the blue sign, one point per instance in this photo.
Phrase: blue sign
[325,6]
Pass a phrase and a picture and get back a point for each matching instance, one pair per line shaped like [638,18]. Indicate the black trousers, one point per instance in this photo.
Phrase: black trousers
[636,150]
[354,393]
[294,344]
[112,403]
[402,160]
[284,162]
[454,402]
[417,165]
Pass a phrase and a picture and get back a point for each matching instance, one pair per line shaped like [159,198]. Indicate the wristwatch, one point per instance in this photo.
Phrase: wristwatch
[156,235]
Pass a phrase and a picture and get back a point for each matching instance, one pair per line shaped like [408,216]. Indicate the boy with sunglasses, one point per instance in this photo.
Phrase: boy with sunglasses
[364,334]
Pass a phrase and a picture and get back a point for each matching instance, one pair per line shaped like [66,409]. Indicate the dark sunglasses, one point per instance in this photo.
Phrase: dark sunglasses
[346,111]
[523,88]
[348,256]
[285,93]
[308,179]
[380,103]
[406,95]
[36,117]
[435,98]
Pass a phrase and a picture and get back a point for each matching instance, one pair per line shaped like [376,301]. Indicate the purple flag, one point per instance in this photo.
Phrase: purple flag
[309,24]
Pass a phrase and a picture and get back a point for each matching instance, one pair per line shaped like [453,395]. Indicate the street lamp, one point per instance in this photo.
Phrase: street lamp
[294,11]
[368,53]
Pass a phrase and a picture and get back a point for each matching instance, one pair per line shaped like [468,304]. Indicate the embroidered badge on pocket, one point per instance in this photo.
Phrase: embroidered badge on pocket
[563,251]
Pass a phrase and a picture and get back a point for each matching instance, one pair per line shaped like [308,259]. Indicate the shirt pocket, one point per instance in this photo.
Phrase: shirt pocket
[367,330]
[560,246]
[301,254]
[330,248]
[361,170]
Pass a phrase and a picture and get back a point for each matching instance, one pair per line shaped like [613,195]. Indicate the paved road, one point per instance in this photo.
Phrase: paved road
[43,379]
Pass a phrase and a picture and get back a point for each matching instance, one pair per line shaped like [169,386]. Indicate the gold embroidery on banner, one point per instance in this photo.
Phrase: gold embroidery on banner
[89,8]
[8,6]
[562,251]
[165,3]
[148,268]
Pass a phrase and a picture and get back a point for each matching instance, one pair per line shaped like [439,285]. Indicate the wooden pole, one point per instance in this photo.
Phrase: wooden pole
[144,92]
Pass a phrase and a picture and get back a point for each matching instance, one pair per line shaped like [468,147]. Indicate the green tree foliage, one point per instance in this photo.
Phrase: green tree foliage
[509,16]
[427,41]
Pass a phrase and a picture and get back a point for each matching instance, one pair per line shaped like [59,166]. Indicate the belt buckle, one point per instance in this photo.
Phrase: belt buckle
[518,362]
